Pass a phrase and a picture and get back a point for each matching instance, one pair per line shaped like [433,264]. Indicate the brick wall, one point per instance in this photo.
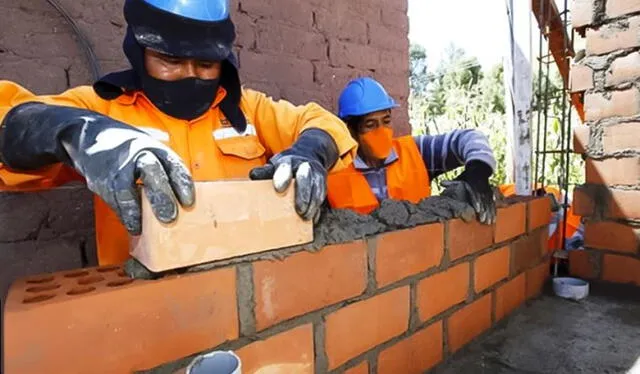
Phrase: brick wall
[400,302]
[609,76]
[294,49]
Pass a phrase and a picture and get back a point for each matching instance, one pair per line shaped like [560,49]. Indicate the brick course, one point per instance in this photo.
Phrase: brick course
[325,306]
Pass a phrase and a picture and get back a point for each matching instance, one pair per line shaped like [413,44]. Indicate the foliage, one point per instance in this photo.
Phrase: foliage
[458,93]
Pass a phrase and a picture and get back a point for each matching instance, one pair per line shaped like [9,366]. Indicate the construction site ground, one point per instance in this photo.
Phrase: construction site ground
[599,335]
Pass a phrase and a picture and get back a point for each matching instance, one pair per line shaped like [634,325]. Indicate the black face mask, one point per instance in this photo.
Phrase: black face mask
[185,99]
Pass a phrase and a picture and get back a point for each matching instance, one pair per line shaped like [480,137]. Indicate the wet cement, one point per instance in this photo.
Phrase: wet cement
[551,335]
[342,226]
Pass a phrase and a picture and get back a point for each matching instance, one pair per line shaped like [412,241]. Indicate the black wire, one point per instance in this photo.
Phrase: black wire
[84,42]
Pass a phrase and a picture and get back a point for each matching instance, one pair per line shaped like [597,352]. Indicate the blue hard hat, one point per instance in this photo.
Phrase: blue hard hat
[183,28]
[363,96]
[201,10]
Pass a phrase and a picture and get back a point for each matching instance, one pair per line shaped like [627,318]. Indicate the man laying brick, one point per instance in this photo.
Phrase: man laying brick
[179,114]
[403,167]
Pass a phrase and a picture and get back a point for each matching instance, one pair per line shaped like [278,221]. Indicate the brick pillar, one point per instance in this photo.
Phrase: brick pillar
[609,76]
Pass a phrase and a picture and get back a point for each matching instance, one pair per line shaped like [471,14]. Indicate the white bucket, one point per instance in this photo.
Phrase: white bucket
[571,288]
[216,362]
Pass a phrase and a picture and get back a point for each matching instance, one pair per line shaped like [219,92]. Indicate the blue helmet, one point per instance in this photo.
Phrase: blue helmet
[362,96]
[182,28]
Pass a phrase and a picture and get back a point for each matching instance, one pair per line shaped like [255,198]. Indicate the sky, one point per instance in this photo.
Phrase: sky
[477,26]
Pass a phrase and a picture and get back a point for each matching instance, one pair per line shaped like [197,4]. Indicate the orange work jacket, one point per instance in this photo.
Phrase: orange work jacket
[208,145]
[407,179]
[573,220]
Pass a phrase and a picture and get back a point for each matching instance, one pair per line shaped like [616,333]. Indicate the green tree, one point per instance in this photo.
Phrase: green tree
[459,94]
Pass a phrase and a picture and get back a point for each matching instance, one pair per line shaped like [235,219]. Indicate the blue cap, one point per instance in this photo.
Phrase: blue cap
[201,10]
[363,96]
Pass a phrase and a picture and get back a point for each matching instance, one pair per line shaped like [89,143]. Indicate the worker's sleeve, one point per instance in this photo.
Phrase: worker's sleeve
[11,95]
[278,124]
[445,152]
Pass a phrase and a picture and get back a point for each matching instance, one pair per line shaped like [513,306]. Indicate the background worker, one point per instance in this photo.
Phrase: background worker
[179,114]
[402,168]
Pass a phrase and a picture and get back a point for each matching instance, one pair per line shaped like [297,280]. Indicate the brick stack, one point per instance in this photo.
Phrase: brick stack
[609,76]
[400,302]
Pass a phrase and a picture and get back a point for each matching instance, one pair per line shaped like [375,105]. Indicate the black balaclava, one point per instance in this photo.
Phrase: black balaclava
[150,27]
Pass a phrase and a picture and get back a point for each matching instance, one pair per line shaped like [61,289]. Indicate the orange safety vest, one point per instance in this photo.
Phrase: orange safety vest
[209,146]
[407,179]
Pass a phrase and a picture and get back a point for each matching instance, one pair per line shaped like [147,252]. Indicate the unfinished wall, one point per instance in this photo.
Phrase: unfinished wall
[295,49]
[399,302]
[609,76]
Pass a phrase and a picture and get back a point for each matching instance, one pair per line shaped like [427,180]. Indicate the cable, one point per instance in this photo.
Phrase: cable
[84,42]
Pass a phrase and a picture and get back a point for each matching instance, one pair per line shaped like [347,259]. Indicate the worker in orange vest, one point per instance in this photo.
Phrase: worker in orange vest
[574,229]
[403,167]
[178,115]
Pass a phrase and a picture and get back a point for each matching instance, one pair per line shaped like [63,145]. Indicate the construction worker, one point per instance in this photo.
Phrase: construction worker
[178,115]
[402,168]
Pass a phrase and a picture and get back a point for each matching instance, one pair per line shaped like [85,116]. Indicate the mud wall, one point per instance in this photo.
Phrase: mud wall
[395,302]
[292,49]
[609,77]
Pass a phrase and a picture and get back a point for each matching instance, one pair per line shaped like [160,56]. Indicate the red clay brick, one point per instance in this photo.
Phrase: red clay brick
[510,222]
[582,202]
[269,355]
[296,13]
[624,204]
[581,135]
[291,71]
[616,8]
[476,237]
[613,236]
[582,12]
[341,23]
[581,78]
[620,269]
[536,278]
[388,39]
[527,251]
[620,137]
[441,291]
[491,268]
[623,69]
[469,322]
[362,368]
[351,54]
[415,354]
[407,252]
[276,38]
[359,327]
[585,264]
[136,324]
[611,37]
[510,296]
[395,18]
[614,171]
[539,213]
[307,281]
[620,104]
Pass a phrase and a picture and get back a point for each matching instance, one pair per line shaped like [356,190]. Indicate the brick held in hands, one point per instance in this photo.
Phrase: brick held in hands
[229,219]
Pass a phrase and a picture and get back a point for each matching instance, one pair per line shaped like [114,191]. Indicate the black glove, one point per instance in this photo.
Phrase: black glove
[308,160]
[472,186]
[110,155]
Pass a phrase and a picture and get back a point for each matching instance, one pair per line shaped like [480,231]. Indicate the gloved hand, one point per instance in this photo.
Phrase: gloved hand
[472,186]
[110,155]
[307,161]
